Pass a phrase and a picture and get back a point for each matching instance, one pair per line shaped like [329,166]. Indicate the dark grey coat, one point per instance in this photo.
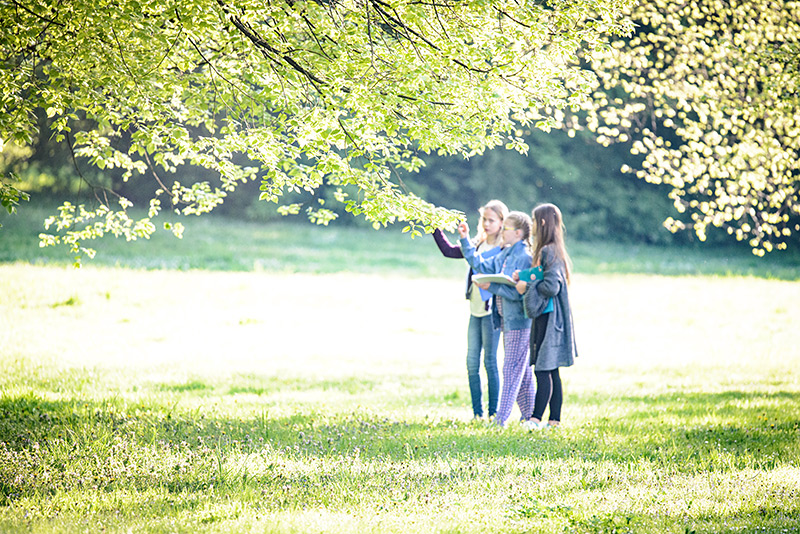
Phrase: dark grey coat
[558,348]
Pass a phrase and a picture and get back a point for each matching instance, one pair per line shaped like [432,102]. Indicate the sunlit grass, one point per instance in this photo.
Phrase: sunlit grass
[166,401]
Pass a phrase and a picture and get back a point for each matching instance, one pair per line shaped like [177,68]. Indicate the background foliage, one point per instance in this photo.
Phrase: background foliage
[344,94]
[699,108]
[582,177]
[707,93]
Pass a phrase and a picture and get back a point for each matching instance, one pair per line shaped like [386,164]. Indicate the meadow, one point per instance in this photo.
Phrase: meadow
[284,378]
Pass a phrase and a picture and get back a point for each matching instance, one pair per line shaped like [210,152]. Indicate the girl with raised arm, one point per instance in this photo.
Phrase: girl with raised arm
[481,333]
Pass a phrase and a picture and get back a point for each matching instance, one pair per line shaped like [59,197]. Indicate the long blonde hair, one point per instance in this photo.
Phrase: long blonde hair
[501,210]
[550,231]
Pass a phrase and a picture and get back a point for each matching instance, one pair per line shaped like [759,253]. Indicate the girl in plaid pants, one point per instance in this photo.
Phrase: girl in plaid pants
[508,311]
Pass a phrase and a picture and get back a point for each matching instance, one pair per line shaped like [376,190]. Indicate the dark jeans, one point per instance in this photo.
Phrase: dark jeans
[482,337]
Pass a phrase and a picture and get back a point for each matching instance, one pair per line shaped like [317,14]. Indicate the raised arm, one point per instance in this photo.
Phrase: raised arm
[479,263]
[447,249]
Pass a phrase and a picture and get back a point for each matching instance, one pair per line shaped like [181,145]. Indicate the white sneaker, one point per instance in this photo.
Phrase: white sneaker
[533,425]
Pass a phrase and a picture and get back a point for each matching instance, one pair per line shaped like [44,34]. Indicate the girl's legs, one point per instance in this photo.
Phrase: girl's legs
[526,395]
[557,398]
[515,345]
[474,344]
[491,338]
[548,391]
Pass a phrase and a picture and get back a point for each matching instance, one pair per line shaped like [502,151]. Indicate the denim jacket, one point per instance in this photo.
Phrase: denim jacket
[449,250]
[510,259]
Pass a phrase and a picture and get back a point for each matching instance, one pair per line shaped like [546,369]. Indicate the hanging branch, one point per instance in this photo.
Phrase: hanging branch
[270,52]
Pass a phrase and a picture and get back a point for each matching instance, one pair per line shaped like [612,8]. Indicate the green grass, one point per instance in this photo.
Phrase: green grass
[216,243]
[305,398]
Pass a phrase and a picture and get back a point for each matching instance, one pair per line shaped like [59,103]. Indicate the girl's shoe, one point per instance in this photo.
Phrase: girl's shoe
[534,425]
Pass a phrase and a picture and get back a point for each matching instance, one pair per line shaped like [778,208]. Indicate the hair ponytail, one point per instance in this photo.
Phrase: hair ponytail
[521,221]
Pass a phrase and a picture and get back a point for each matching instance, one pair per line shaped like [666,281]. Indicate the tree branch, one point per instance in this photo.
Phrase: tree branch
[96,189]
[397,24]
[124,61]
[264,46]
[37,15]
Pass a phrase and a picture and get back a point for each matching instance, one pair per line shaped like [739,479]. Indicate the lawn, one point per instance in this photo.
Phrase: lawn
[288,399]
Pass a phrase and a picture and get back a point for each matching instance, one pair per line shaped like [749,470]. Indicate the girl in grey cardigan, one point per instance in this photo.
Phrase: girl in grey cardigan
[546,301]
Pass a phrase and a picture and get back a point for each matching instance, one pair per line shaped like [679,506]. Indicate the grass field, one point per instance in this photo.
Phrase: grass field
[293,398]
[219,244]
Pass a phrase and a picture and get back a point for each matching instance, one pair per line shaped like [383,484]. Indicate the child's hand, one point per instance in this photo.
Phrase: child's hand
[484,286]
[521,287]
[515,276]
[463,229]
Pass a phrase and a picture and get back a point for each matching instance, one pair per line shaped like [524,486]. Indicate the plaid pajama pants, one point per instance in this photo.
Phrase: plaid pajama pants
[518,382]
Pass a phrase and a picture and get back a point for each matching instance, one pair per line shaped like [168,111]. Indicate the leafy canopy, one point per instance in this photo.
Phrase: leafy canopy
[296,94]
[709,93]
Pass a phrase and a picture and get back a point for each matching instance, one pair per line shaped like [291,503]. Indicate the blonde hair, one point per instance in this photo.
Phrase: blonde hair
[501,210]
[521,221]
[550,231]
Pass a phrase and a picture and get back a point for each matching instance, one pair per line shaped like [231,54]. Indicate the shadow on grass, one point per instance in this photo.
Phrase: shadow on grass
[743,424]
[268,384]
[55,447]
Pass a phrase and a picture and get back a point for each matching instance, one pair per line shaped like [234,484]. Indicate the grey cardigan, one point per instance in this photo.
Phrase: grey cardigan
[558,348]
